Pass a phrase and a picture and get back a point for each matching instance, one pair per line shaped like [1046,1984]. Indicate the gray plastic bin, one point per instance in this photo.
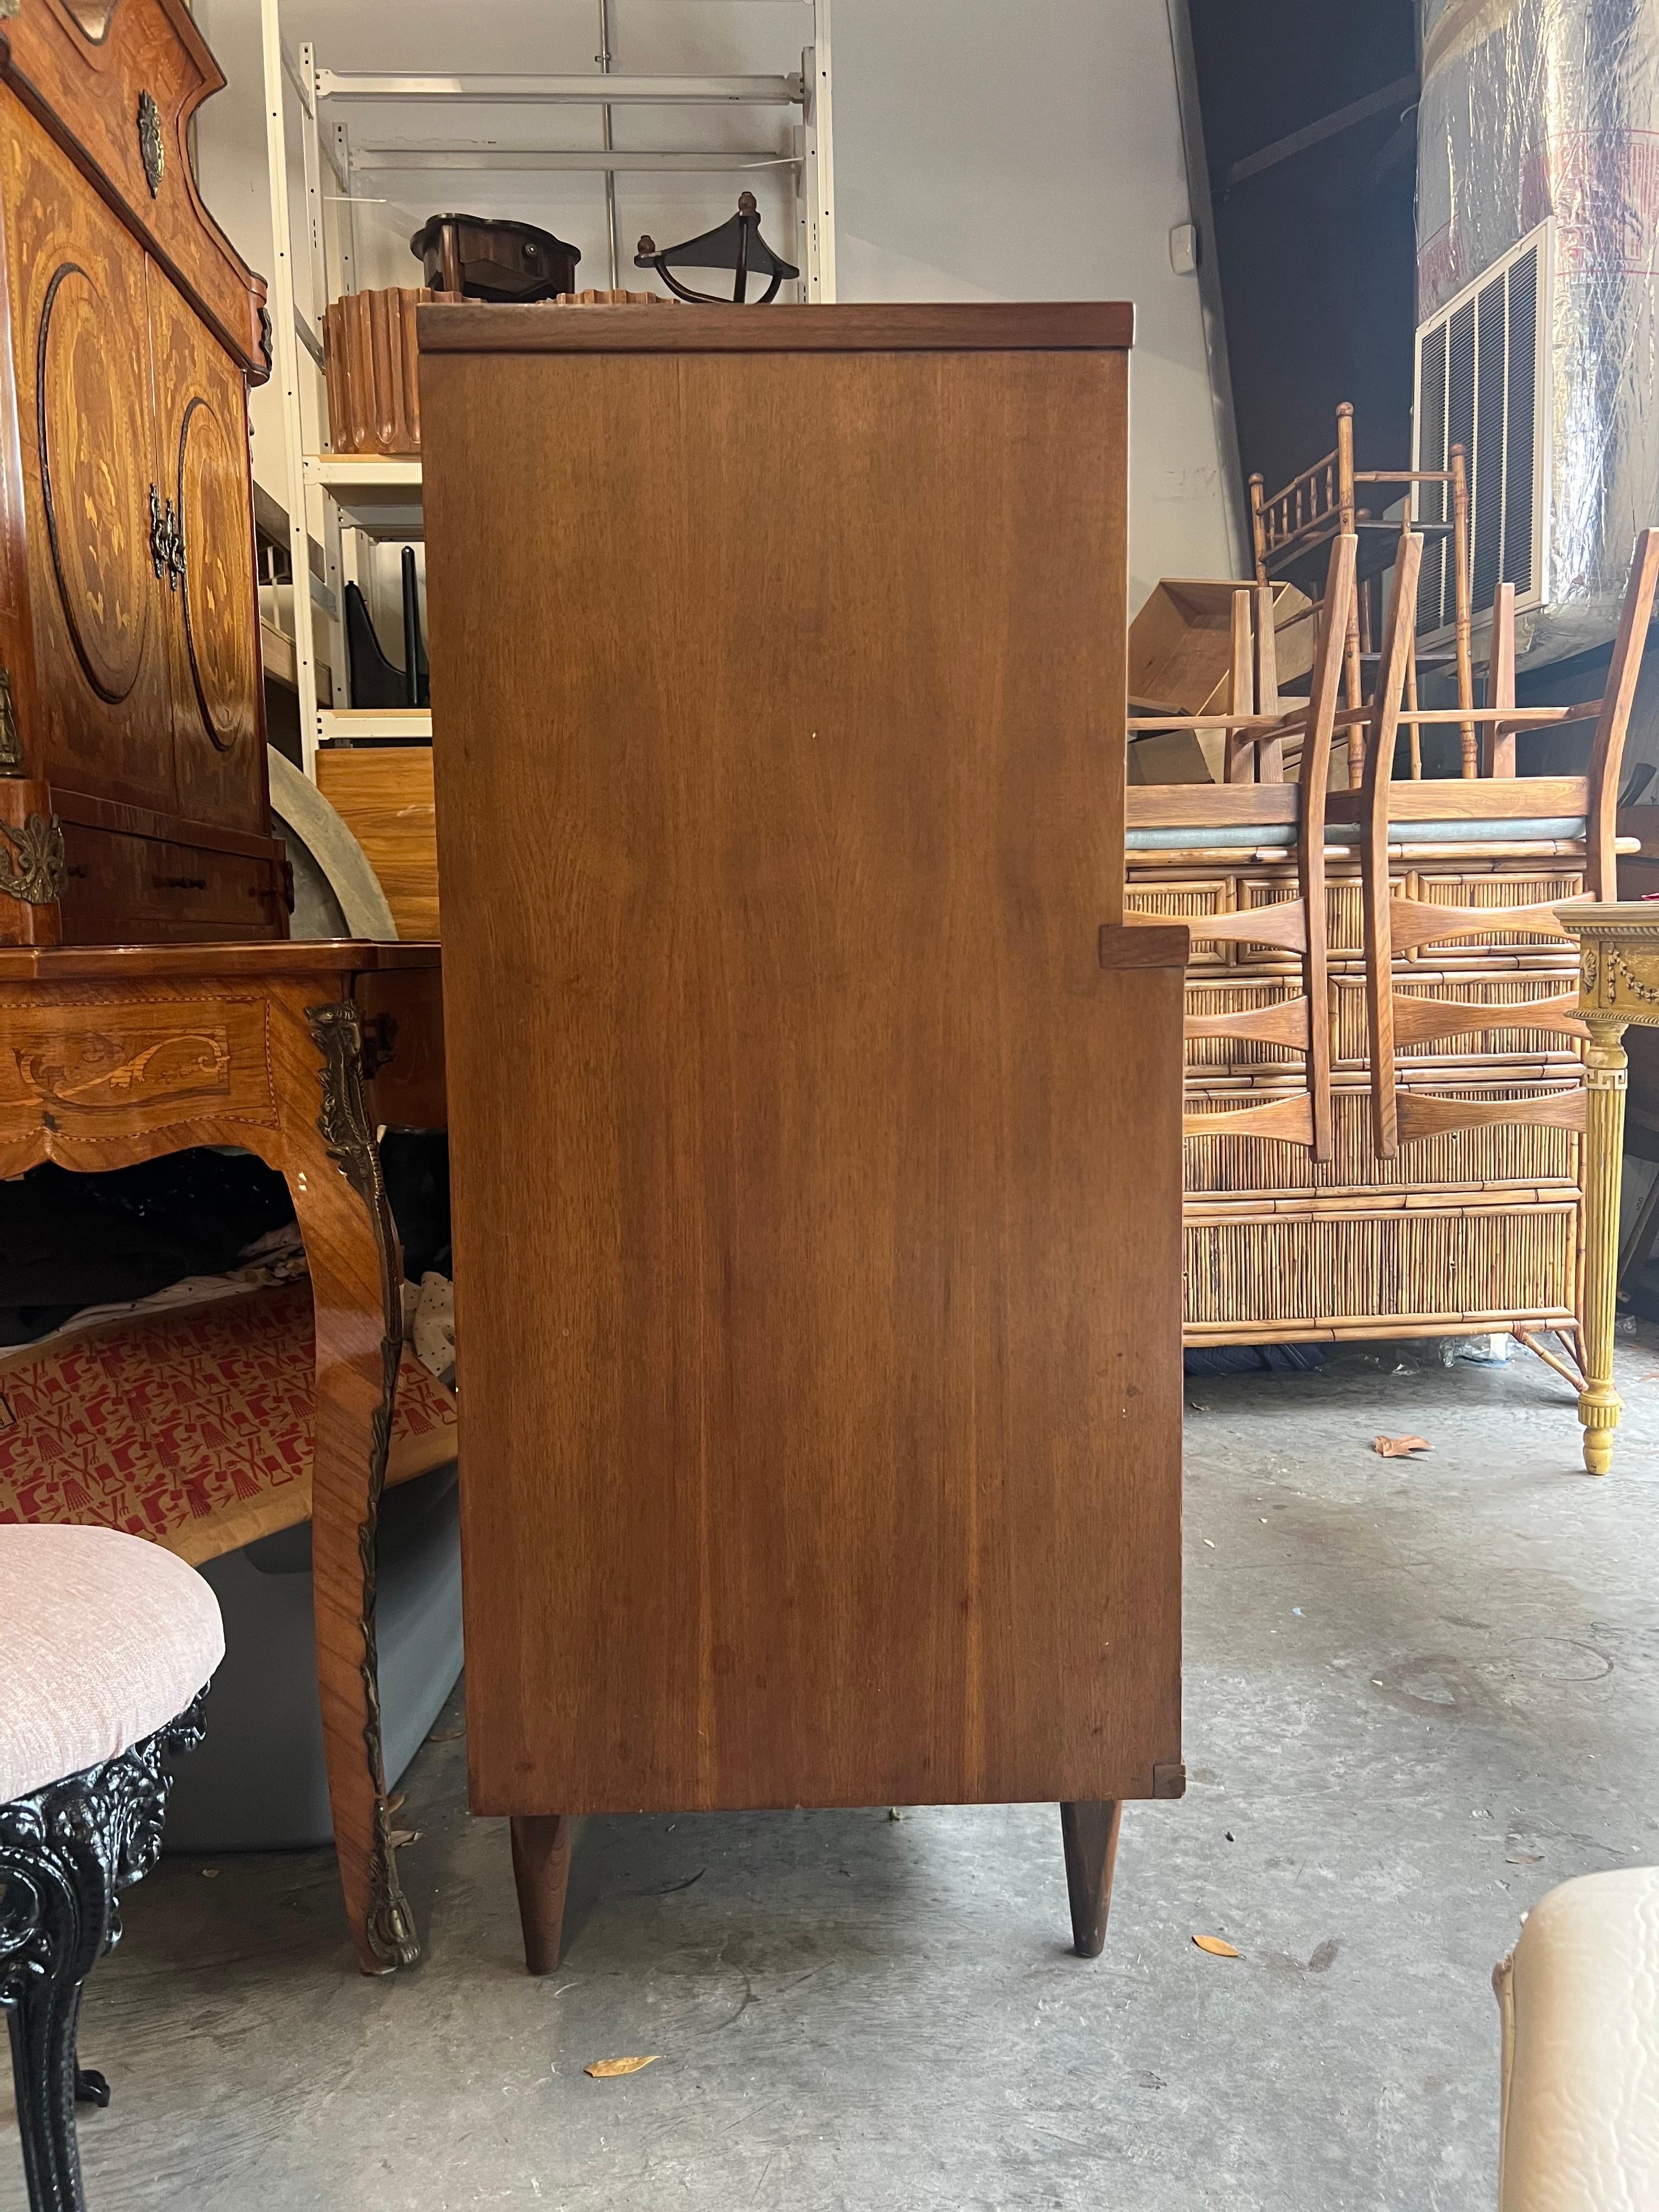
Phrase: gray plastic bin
[257,1782]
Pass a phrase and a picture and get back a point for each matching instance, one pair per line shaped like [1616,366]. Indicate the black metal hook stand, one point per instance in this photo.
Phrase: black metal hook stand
[736,245]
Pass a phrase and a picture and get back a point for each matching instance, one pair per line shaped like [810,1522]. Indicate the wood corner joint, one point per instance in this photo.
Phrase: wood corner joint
[1170,1778]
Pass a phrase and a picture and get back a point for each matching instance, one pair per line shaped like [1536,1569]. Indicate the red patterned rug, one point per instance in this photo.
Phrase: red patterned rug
[192,1428]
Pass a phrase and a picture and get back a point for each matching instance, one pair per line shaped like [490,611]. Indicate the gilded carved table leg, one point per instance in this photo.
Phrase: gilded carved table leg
[351,1245]
[1598,1405]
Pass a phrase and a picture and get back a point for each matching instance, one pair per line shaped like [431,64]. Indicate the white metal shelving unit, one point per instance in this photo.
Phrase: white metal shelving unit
[355,497]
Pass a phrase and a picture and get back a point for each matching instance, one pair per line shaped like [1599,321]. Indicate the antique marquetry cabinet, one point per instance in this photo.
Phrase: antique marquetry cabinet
[133,799]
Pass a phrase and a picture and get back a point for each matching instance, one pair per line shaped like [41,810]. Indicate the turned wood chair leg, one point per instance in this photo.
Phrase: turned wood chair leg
[541,1869]
[1088,1828]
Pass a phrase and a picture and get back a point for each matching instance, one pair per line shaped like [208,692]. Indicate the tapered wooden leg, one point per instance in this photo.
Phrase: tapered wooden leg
[541,1868]
[1089,1830]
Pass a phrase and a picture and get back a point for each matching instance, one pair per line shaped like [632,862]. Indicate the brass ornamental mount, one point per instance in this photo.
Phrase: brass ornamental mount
[33,872]
[349,1134]
[151,150]
[166,540]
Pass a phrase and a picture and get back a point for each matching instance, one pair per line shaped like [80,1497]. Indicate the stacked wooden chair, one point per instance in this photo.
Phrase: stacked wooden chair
[1384,1062]
[1290,530]
[1296,925]
[1396,926]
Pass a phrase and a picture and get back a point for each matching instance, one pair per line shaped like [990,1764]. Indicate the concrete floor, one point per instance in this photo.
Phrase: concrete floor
[1418,1695]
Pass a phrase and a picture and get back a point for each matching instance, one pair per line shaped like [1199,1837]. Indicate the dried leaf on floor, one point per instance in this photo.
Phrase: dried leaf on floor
[605,2070]
[402,1836]
[1525,1858]
[1215,1947]
[1400,1447]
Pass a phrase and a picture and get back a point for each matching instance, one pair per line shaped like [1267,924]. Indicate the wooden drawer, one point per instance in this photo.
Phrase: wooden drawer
[122,888]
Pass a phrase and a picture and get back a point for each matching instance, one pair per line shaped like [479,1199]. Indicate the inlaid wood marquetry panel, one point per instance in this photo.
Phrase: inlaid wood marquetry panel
[88,1071]
[213,649]
[86,432]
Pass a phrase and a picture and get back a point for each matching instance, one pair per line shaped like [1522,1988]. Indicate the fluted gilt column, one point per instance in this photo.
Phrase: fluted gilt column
[1600,1405]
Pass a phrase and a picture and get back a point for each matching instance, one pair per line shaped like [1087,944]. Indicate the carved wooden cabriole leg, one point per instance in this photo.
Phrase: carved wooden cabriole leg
[1599,1404]
[1088,1830]
[357,1271]
[541,1869]
[65,1852]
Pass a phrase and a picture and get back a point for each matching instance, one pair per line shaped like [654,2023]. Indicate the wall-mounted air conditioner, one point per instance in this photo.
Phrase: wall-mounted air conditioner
[1484,382]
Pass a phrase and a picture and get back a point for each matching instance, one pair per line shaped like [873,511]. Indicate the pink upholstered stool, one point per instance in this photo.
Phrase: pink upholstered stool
[106,1646]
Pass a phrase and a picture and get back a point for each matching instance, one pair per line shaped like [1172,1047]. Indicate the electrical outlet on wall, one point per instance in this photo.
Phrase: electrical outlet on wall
[1183,249]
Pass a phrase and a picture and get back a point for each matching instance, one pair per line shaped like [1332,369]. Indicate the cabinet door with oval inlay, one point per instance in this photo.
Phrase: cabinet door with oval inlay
[86,432]
[212,593]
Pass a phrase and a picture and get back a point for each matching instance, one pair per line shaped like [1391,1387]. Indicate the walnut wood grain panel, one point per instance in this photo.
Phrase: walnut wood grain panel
[383,793]
[88,88]
[212,600]
[816,1188]
[82,371]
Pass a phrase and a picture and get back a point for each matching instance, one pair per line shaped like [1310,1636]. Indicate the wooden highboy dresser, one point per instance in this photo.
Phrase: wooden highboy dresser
[814,1119]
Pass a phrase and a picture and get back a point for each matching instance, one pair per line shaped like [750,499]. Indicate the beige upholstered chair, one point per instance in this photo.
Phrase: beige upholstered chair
[1579,1997]
[106,1644]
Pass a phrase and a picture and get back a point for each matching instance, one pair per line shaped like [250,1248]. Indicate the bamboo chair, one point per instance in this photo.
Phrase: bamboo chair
[1295,924]
[1391,926]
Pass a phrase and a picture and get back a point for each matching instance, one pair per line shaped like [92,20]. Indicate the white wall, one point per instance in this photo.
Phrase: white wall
[983,150]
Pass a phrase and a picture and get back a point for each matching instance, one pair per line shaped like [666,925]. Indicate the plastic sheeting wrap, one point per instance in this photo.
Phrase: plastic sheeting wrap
[1533,108]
